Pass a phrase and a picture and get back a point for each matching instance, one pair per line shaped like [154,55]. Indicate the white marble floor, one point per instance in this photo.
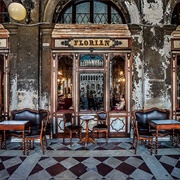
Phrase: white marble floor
[116,160]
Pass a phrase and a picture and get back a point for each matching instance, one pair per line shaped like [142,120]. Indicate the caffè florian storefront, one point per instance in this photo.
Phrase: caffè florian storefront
[91,72]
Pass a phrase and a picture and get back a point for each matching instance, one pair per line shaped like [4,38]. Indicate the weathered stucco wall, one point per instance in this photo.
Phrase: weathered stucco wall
[151,50]
[25,82]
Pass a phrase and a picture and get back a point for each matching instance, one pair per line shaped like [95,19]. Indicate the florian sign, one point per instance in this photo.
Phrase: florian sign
[91,43]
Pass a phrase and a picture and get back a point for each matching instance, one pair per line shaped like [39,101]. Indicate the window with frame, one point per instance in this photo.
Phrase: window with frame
[4,15]
[91,95]
[91,11]
[64,82]
[117,83]
[176,15]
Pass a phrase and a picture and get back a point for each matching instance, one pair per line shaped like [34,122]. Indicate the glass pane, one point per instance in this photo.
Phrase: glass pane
[64,82]
[100,13]
[117,83]
[176,15]
[115,17]
[4,15]
[91,61]
[67,16]
[91,91]
[83,13]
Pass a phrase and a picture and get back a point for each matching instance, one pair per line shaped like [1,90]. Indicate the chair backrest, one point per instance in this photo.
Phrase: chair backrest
[44,114]
[134,126]
[143,116]
[67,117]
[102,117]
[43,127]
[34,116]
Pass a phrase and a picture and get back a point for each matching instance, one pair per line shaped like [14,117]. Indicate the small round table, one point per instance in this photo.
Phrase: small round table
[87,139]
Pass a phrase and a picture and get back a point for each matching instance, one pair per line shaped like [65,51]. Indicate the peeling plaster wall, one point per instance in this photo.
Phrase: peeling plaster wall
[156,65]
[152,12]
[151,48]
[133,10]
[137,66]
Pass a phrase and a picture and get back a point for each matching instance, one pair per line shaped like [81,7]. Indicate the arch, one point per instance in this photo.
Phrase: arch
[133,12]
[169,11]
[50,8]
[128,8]
[120,9]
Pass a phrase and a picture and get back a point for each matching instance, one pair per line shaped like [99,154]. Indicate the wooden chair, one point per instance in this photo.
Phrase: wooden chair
[70,127]
[35,117]
[143,137]
[101,126]
[37,135]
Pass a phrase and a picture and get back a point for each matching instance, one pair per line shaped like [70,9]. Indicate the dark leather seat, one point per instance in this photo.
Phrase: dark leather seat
[143,137]
[143,116]
[37,135]
[35,117]
[70,127]
[101,127]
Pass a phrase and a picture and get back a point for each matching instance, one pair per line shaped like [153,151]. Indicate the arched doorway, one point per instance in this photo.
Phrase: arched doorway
[91,64]
[96,66]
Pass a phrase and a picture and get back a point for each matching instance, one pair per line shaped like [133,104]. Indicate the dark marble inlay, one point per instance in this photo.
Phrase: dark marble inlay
[56,169]
[104,169]
[36,169]
[78,169]
[126,168]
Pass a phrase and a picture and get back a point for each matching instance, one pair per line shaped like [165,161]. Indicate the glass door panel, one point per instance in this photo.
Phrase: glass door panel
[117,83]
[91,91]
[64,82]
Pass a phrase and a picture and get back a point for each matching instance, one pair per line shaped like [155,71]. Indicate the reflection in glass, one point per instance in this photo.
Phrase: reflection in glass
[117,83]
[91,61]
[96,12]
[64,82]
[91,91]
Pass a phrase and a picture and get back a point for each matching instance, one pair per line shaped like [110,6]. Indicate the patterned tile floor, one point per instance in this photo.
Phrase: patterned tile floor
[114,161]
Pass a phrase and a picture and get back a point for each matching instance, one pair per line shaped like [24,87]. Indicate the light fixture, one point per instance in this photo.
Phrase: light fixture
[19,11]
[121,78]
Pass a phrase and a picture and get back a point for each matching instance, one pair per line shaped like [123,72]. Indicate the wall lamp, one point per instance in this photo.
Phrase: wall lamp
[19,11]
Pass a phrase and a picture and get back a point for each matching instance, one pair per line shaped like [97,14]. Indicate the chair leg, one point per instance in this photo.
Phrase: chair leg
[64,136]
[42,145]
[46,141]
[106,137]
[137,141]
[27,146]
[79,134]
[133,142]
[71,138]
[151,146]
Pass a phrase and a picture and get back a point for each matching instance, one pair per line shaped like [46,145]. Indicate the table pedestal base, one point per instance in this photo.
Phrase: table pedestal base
[87,140]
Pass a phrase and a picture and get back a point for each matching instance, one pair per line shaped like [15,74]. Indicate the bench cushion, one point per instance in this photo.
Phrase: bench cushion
[143,116]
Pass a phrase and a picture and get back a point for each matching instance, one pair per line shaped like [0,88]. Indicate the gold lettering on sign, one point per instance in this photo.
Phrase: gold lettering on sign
[91,43]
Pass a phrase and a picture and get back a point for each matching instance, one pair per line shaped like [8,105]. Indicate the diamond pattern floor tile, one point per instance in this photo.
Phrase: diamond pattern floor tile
[100,161]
